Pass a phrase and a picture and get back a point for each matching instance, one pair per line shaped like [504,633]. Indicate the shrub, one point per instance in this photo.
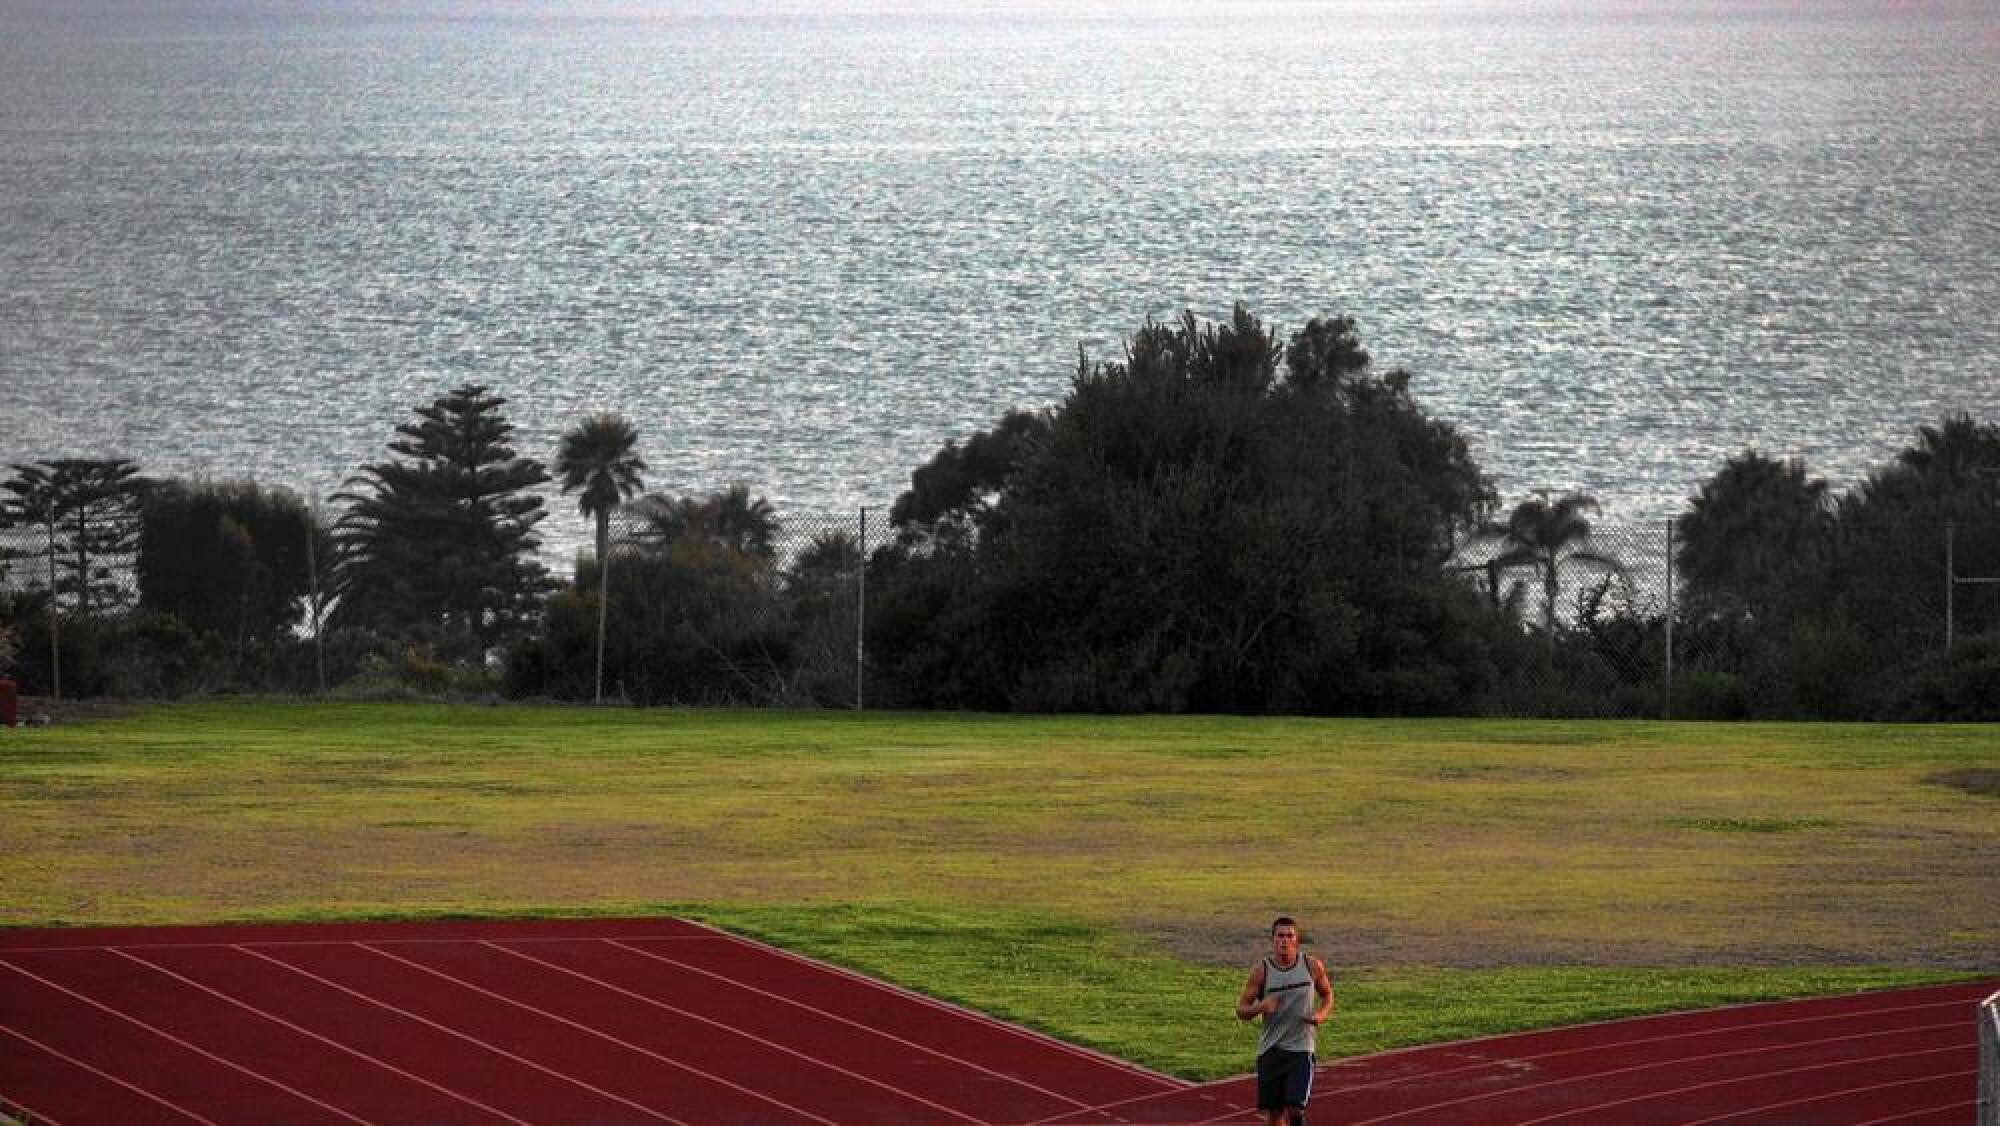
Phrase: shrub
[1710,694]
[1960,686]
[416,673]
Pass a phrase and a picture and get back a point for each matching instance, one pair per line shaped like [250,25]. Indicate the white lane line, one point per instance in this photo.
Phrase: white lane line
[474,1040]
[1108,1108]
[668,1060]
[775,1046]
[1233,1111]
[165,1035]
[41,1119]
[1758,1078]
[1166,1082]
[1925,1112]
[1656,1064]
[1845,1092]
[329,1041]
[924,1048]
[1426,1076]
[220,944]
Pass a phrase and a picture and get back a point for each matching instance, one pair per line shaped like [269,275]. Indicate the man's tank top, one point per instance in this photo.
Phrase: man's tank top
[1288,1028]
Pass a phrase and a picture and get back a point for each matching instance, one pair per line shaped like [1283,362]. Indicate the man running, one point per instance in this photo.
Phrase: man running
[1277,991]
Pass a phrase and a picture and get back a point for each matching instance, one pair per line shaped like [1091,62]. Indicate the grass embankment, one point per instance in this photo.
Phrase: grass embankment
[1105,879]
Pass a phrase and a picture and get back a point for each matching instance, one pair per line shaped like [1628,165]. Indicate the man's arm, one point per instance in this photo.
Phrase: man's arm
[1324,988]
[1251,1003]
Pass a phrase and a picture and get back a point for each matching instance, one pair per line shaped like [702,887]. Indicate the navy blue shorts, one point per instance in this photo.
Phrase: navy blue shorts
[1284,1079]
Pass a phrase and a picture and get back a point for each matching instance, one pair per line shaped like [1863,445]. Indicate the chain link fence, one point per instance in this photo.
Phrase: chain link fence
[34,560]
[713,603]
[722,603]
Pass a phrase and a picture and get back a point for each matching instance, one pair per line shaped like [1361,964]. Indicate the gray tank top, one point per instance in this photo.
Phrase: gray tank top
[1288,1028]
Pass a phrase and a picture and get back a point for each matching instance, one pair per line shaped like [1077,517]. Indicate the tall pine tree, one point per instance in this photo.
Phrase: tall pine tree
[441,547]
[91,508]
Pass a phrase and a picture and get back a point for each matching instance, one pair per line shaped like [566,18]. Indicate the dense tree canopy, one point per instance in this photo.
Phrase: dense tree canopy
[1751,533]
[1838,607]
[1215,522]
[229,558]
[697,610]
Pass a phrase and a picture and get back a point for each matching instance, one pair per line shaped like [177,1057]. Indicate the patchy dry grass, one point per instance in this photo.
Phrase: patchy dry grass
[1465,851]
[1450,843]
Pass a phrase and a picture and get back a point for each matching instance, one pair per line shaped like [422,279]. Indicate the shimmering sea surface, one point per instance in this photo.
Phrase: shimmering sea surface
[803,245]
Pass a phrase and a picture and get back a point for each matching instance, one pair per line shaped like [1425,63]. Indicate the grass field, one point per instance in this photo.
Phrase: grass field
[1104,879]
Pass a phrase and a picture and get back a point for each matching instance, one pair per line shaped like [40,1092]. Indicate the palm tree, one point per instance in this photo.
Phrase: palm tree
[1959,463]
[1755,534]
[597,462]
[1955,457]
[1544,536]
[731,520]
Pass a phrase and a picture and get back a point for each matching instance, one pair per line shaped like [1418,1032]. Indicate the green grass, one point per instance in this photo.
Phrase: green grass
[1104,879]
[1093,986]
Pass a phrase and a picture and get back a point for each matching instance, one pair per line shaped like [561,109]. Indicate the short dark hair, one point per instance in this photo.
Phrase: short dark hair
[1283,921]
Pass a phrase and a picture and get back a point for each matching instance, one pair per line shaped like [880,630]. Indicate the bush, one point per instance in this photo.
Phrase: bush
[416,673]
[692,623]
[1828,671]
[1961,686]
[1710,694]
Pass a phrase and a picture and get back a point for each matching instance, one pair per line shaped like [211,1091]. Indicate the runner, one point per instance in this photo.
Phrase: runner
[1277,992]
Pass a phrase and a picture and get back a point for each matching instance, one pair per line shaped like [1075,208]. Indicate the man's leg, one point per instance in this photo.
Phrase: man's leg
[1298,1089]
[1270,1089]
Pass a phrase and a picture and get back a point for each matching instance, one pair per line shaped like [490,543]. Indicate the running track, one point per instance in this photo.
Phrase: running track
[661,1020]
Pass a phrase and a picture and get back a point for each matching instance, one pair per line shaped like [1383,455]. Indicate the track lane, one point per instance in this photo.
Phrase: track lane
[960,1087]
[50,1085]
[86,1012]
[1846,1060]
[480,1079]
[1077,1073]
[1580,1066]
[724,1052]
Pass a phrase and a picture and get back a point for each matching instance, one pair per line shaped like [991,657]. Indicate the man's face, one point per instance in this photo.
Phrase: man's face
[1285,943]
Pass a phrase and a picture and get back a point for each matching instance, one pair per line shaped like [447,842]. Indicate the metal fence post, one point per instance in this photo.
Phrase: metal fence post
[312,582]
[1667,700]
[1950,581]
[861,610]
[55,615]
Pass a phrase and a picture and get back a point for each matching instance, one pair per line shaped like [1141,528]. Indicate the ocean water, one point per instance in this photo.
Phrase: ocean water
[803,245]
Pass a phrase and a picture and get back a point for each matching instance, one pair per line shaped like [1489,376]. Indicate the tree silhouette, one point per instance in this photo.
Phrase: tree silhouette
[1217,520]
[1754,534]
[730,520]
[91,508]
[597,460]
[441,547]
[1956,456]
[1545,537]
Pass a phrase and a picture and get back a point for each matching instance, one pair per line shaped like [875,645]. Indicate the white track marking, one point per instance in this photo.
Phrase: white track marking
[668,1060]
[41,1119]
[448,1030]
[772,1044]
[925,1048]
[165,1035]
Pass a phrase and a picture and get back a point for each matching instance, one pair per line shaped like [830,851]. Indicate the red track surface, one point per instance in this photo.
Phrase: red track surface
[668,1021]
